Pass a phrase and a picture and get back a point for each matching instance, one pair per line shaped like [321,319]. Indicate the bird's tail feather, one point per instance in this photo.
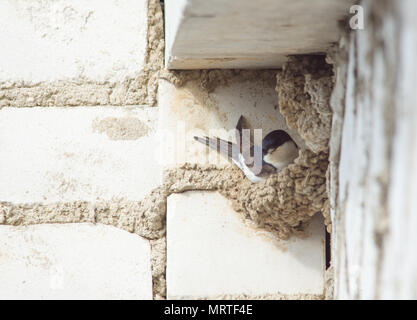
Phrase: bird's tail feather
[224,147]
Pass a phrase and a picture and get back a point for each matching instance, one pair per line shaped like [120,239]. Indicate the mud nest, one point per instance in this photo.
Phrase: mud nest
[285,202]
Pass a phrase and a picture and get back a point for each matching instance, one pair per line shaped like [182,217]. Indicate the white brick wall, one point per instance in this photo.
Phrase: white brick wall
[212,252]
[78,41]
[89,53]
[75,53]
[83,153]
[60,53]
[73,261]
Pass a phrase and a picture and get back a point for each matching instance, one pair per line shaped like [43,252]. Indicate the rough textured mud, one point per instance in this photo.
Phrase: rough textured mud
[127,128]
[145,218]
[159,262]
[139,90]
[304,87]
[209,80]
[143,90]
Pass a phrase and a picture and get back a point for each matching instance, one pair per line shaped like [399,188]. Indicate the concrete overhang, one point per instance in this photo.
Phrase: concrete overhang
[244,34]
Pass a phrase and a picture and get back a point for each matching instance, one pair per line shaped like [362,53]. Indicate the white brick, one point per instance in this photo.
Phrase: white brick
[190,110]
[78,40]
[248,34]
[212,252]
[73,261]
[67,154]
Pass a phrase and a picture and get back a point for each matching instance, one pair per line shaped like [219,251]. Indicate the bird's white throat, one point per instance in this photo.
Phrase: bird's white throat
[282,156]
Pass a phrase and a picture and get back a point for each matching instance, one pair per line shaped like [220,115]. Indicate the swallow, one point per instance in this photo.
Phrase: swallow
[257,163]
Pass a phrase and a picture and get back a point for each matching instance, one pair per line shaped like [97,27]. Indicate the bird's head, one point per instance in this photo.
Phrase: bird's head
[274,140]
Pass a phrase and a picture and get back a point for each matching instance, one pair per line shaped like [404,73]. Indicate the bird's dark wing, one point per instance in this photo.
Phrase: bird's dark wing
[224,147]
